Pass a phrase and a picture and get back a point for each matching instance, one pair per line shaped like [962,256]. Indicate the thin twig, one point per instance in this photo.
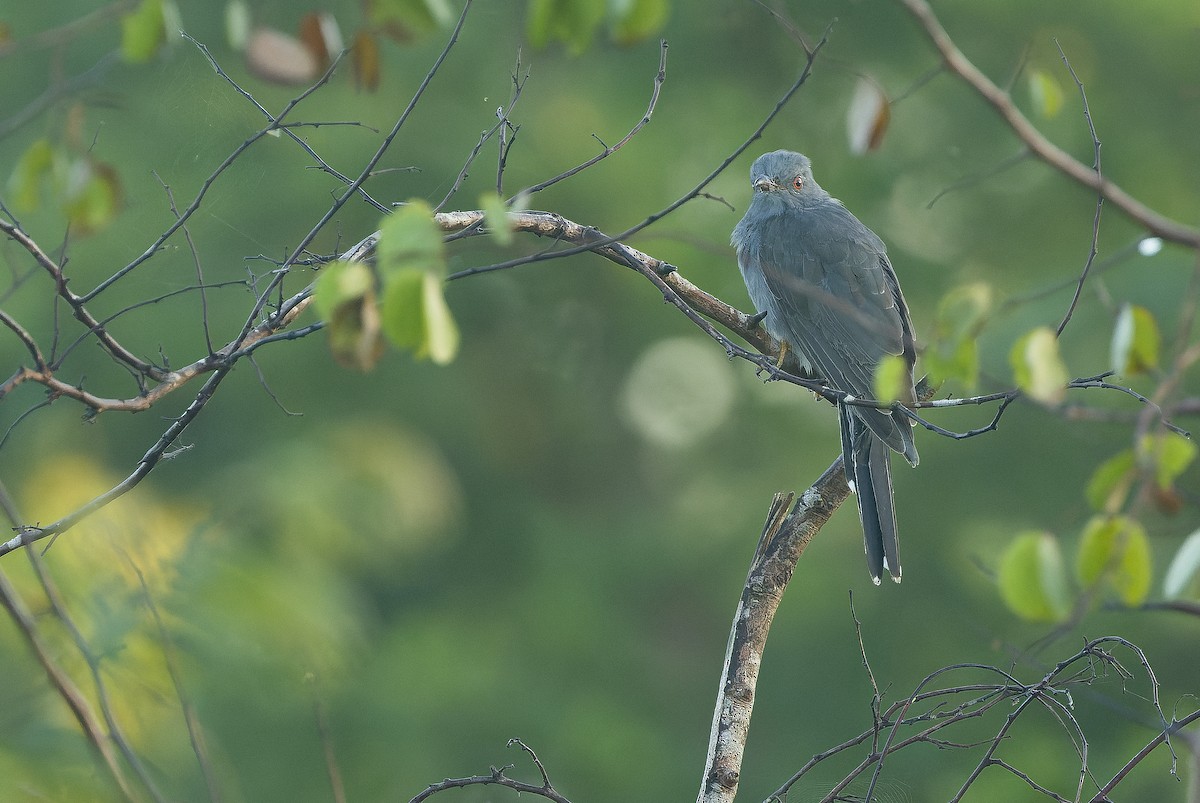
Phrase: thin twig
[691,194]
[30,534]
[498,778]
[365,173]
[659,79]
[1091,257]
[195,733]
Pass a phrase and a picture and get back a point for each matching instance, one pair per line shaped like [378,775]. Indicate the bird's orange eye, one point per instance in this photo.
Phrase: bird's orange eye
[797,182]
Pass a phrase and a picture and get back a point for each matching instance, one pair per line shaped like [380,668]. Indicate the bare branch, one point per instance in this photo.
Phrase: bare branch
[58,678]
[286,128]
[659,79]
[498,778]
[1041,147]
[195,733]
[118,352]
[691,194]
[29,534]
[115,731]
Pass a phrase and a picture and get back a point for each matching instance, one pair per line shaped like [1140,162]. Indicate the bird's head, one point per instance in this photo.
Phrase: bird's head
[785,175]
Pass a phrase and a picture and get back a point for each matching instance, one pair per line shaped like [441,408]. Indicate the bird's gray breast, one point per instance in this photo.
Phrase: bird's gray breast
[822,278]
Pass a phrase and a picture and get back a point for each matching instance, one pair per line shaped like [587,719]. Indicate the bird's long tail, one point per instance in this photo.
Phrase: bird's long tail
[868,472]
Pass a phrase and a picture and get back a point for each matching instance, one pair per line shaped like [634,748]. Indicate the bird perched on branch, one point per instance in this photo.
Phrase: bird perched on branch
[828,293]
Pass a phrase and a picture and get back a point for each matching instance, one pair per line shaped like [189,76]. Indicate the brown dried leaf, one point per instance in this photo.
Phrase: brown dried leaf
[867,117]
[365,58]
[280,59]
[321,36]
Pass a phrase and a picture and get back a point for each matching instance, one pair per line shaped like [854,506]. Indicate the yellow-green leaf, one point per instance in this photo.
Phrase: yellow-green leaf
[1032,579]
[1184,568]
[954,352]
[1135,341]
[1110,482]
[963,310]
[892,378]
[339,282]
[953,360]
[441,333]
[1047,95]
[416,317]
[1168,453]
[403,309]
[1115,554]
[25,183]
[237,24]
[572,22]
[495,214]
[410,240]
[402,19]
[1038,368]
[92,195]
[345,299]
[143,31]
[634,20]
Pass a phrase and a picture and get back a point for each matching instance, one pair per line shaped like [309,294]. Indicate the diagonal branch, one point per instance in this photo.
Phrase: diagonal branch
[1042,148]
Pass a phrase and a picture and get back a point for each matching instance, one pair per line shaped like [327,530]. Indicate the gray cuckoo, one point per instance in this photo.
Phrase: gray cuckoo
[828,293]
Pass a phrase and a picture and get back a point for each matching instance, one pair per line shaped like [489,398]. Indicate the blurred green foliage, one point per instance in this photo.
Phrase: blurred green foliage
[449,556]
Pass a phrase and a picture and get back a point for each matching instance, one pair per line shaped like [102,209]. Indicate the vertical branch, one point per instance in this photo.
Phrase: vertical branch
[62,683]
[187,234]
[93,661]
[785,537]
[336,787]
[195,734]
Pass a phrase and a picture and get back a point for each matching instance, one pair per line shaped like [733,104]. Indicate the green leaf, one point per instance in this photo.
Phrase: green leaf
[954,353]
[634,20]
[953,360]
[143,31]
[92,195]
[1168,454]
[1047,95]
[237,24]
[1184,567]
[340,282]
[1110,482]
[345,299]
[25,183]
[1038,368]
[402,309]
[1115,554]
[963,310]
[892,378]
[1135,341]
[416,317]
[410,240]
[572,22]
[1032,579]
[495,213]
[441,332]
[404,18]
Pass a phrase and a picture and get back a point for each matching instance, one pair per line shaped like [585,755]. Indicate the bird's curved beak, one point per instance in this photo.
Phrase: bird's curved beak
[764,184]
